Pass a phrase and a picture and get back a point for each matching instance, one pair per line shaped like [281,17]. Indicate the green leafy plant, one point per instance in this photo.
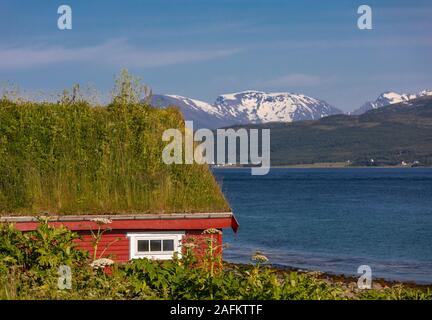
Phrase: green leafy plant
[29,262]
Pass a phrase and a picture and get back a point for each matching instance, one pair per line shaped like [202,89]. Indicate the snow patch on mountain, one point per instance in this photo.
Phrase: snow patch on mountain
[388,98]
[194,103]
[258,107]
[203,114]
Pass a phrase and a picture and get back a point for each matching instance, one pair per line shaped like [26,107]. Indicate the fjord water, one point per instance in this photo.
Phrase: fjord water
[334,220]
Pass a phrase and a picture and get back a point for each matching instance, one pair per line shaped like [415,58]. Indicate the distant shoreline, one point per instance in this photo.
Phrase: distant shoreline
[343,165]
[325,165]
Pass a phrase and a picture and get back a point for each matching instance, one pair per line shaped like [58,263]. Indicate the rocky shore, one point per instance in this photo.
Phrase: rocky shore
[346,283]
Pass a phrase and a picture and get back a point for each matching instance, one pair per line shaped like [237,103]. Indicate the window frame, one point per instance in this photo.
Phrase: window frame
[177,236]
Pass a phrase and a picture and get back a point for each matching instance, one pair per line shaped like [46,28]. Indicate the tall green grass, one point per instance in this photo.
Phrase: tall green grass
[74,158]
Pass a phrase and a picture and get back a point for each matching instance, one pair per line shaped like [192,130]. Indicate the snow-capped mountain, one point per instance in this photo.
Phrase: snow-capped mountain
[388,98]
[203,114]
[248,107]
[258,107]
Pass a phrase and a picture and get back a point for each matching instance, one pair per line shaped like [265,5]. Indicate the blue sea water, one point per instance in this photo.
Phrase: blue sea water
[334,220]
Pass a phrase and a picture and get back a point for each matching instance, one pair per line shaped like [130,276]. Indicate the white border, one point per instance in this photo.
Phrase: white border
[177,236]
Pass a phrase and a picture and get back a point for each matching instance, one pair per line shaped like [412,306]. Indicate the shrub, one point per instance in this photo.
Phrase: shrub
[29,270]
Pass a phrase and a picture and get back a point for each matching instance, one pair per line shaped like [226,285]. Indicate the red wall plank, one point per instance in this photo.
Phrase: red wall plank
[113,244]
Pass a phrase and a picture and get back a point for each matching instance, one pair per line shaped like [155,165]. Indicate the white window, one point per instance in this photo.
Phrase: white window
[155,245]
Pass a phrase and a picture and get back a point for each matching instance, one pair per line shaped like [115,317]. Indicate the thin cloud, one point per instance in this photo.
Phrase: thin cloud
[115,53]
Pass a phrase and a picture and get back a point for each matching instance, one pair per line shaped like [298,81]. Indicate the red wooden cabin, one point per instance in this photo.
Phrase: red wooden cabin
[126,237]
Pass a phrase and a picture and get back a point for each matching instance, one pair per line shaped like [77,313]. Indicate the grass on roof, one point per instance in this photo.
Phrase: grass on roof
[74,158]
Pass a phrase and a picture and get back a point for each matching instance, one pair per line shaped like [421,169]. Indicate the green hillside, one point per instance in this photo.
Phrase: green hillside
[73,158]
[388,135]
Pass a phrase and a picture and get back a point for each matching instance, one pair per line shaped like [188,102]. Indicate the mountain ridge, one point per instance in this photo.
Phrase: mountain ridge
[253,106]
[389,98]
[248,106]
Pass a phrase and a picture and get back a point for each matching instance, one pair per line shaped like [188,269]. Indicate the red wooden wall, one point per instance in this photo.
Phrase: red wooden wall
[115,245]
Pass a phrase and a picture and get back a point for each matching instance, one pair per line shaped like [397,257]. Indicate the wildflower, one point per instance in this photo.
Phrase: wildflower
[259,258]
[189,245]
[44,218]
[212,231]
[101,263]
[101,221]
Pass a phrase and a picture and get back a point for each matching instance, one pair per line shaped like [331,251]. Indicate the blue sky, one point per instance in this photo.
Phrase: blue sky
[204,48]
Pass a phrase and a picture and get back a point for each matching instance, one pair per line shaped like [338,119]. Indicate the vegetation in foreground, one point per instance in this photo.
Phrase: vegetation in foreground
[71,157]
[29,269]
